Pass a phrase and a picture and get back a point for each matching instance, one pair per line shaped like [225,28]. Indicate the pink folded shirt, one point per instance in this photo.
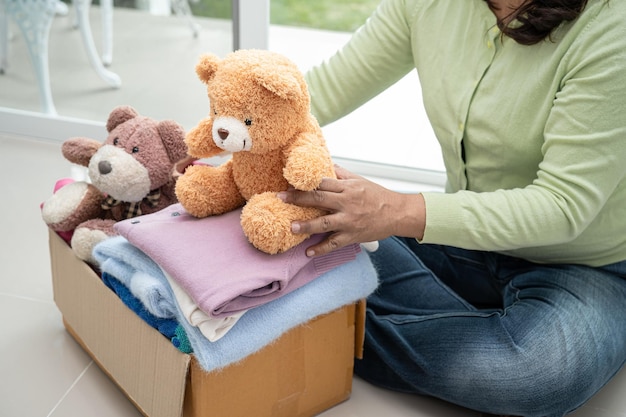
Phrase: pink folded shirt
[212,260]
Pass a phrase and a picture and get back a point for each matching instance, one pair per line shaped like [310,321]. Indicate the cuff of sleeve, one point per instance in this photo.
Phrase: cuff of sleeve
[444,218]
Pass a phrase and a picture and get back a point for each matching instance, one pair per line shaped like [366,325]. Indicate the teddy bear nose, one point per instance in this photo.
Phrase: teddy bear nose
[223,133]
[104,167]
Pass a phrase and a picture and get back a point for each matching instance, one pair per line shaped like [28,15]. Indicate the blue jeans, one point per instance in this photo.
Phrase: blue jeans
[491,332]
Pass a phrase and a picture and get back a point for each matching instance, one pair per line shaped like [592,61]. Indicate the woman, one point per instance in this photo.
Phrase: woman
[507,293]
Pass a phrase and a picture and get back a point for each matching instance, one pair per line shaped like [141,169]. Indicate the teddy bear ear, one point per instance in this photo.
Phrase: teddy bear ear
[80,150]
[285,84]
[173,137]
[207,66]
[119,115]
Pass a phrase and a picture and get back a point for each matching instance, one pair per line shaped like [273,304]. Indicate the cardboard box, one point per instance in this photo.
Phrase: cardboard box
[306,371]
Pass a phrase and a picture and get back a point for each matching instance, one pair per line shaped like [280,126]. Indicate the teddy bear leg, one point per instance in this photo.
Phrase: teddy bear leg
[71,205]
[266,222]
[88,234]
[205,190]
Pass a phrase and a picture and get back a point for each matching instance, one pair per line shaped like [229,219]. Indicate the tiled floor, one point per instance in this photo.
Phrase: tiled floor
[43,372]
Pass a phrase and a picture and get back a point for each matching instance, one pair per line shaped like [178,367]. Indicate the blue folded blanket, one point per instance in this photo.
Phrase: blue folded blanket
[167,327]
[259,326]
[138,273]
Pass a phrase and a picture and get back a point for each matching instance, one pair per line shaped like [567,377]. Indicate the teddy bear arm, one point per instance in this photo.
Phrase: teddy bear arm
[200,142]
[206,190]
[307,163]
[71,205]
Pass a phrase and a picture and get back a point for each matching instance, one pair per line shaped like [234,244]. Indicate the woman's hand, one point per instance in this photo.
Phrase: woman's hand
[359,211]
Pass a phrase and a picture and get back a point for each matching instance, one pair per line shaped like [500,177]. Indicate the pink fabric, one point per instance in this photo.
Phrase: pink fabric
[62,183]
[215,264]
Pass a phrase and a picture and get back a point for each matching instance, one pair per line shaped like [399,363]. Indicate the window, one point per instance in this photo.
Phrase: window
[389,138]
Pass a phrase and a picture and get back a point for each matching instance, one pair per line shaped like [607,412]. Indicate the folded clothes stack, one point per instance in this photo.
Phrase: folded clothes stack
[201,284]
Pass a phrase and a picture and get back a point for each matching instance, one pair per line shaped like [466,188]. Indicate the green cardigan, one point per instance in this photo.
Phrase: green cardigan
[533,137]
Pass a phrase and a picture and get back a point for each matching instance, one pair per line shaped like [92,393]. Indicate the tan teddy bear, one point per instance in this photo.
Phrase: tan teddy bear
[131,173]
[259,112]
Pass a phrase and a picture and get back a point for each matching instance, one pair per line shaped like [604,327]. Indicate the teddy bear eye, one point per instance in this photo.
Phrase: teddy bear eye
[116,141]
[248,122]
[135,149]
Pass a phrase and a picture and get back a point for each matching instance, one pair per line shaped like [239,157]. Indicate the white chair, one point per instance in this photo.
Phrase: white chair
[106,12]
[181,9]
[34,18]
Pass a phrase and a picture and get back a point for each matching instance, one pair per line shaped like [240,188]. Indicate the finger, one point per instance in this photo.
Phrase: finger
[321,199]
[335,184]
[328,245]
[322,224]
[331,184]
[344,174]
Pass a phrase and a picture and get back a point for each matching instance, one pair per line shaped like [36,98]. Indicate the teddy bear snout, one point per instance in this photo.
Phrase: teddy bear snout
[104,167]
[230,134]
[223,133]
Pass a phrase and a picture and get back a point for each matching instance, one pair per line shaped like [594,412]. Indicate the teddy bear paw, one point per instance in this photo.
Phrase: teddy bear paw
[88,235]
[70,205]
[266,222]
[271,239]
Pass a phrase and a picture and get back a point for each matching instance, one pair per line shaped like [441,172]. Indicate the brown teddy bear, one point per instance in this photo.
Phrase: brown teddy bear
[259,112]
[131,173]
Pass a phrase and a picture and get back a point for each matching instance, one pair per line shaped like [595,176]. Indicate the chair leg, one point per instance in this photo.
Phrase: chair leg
[106,14]
[106,11]
[34,18]
[82,11]
[4,38]
[182,9]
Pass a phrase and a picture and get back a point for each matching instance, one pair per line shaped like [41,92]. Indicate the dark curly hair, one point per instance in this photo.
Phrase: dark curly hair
[536,19]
